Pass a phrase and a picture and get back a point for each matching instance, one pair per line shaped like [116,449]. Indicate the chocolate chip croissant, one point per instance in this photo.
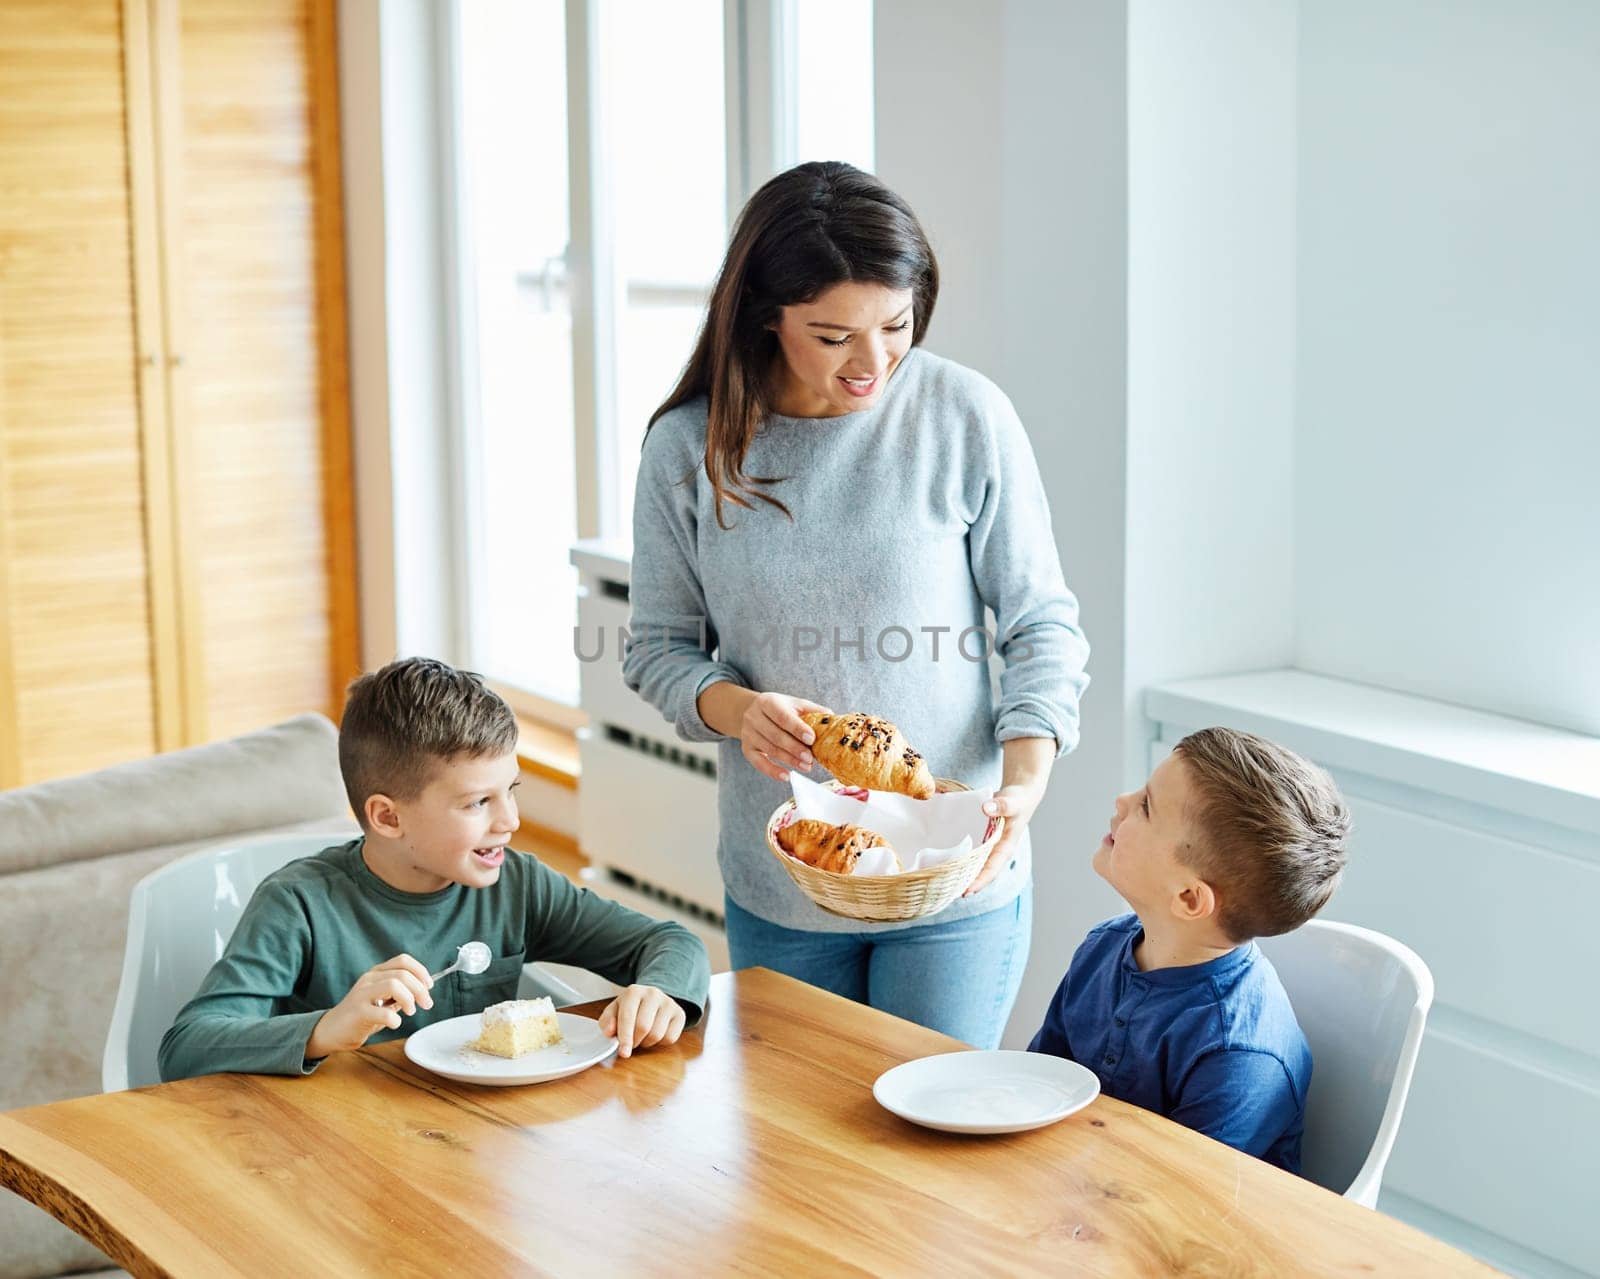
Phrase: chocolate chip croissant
[863,750]
[828,847]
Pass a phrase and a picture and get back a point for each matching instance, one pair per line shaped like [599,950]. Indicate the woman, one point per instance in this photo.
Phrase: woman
[828,509]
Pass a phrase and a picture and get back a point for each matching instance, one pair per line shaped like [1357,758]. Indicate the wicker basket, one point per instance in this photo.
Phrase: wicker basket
[883,898]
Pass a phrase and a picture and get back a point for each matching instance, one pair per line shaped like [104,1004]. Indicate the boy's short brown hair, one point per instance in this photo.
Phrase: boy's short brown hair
[1271,828]
[403,721]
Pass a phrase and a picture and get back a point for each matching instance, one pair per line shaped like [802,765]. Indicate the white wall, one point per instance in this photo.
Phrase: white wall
[1021,181]
[1062,261]
[1156,239]
[407,534]
[937,102]
[361,139]
[1211,344]
[1448,403]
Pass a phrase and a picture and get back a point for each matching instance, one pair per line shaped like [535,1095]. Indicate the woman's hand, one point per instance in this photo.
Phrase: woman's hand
[1026,773]
[774,737]
[768,725]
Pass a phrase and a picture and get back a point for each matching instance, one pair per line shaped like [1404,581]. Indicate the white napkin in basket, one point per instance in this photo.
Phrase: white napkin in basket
[936,830]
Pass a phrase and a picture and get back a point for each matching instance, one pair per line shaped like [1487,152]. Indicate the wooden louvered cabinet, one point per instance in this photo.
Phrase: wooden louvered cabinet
[176,524]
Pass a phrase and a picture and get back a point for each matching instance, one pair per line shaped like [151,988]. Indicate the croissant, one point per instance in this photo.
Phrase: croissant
[863,750]
[828,847]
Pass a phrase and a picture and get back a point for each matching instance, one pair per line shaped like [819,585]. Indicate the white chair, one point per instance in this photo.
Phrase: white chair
[1361,999]
[179,920]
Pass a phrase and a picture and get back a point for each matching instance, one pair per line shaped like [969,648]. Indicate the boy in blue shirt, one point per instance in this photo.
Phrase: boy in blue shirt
[1174,1007]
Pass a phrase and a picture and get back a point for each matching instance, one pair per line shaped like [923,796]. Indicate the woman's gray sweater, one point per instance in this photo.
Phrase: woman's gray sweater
[909,519]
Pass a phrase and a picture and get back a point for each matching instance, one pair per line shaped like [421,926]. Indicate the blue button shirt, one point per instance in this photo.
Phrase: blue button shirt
[1214,1046]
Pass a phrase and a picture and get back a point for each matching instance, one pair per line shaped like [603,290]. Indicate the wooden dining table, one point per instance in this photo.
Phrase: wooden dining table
[752,1147]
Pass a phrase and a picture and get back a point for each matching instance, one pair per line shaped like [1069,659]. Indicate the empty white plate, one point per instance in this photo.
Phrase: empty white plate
[999,1091]
[442,1048]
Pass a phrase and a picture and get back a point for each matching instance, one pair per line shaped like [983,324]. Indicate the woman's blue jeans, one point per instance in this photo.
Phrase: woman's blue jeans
[960,977]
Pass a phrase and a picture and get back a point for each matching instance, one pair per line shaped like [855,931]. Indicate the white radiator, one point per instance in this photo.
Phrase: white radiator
[647,804]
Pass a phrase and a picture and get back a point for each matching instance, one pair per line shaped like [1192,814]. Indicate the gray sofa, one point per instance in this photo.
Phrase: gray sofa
[70,852]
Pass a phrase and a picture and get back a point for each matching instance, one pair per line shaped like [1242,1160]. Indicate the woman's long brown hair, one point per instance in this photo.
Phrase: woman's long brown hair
[817,225]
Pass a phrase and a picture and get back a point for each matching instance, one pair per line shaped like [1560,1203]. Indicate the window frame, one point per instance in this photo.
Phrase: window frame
[761,138]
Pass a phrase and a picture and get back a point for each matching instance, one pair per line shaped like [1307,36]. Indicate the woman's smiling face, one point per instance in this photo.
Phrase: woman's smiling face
[840,349]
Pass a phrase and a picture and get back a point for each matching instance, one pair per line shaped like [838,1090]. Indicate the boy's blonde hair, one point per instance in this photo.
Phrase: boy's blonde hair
[1271,829]
[401,722]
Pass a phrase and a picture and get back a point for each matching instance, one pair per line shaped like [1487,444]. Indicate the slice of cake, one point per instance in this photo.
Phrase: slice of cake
[518,1027]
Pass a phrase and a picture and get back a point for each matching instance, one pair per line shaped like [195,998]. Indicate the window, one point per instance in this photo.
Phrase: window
[832,69]
[666,146]
[592,195]
[515,328]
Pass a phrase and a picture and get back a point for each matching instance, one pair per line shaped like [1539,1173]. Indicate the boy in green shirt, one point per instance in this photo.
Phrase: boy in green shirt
[335,949]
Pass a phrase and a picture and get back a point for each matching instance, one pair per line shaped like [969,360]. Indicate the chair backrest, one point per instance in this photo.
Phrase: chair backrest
[180,918]
[1361,998]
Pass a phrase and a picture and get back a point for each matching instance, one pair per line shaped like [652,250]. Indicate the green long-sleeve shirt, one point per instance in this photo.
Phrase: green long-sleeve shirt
[313,927]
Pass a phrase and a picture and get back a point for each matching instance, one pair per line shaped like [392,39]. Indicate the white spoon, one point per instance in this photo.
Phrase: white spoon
[471,959]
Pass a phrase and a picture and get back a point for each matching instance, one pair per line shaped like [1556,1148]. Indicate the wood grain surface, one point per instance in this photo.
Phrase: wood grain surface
[177,537]
[752,1147]
[77,682]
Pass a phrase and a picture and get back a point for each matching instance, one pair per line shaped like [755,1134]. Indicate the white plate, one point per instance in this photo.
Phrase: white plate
[998,1091]
[442,1048]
